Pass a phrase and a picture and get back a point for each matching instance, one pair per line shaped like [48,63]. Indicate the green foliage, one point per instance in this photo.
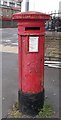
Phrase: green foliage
[47,111]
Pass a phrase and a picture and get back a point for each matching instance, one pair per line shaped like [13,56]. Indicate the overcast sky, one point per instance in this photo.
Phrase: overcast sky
[42,5]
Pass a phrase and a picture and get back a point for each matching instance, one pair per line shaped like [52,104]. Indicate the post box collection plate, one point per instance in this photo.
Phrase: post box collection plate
[33,44]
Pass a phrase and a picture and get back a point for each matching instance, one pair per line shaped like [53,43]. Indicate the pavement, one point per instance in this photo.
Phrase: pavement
[9,49]
[9,81]
[0,86]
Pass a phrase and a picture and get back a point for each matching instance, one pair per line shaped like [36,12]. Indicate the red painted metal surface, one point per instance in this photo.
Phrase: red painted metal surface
[31,15]
[31,64]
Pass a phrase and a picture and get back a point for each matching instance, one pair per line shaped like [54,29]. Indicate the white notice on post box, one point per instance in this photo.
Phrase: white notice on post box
[33,44]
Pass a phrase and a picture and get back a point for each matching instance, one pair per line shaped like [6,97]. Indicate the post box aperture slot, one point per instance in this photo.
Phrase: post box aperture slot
[32,28]
[33,44]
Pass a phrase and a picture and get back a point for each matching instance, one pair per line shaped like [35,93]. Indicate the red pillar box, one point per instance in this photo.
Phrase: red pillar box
[31,31]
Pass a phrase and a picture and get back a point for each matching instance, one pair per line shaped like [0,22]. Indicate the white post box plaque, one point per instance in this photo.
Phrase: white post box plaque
[33,44]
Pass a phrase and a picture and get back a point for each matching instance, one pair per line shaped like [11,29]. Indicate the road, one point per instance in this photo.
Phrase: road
[9,37]
[10,75]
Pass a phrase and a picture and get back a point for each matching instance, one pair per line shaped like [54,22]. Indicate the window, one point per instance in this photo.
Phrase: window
[4,12]
[4,2]
[18,4]
[11,4]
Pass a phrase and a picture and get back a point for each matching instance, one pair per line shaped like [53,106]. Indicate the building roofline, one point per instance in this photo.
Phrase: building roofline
[18,0]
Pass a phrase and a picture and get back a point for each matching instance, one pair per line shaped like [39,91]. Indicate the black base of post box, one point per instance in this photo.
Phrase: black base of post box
[30,104]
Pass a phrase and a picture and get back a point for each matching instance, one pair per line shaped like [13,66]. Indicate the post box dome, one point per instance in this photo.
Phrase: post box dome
[31,15]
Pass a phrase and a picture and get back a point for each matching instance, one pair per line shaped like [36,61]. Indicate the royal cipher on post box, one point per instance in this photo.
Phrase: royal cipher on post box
[31,37]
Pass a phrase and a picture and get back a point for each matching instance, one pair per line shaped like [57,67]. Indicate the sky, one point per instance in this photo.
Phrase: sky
[45,6]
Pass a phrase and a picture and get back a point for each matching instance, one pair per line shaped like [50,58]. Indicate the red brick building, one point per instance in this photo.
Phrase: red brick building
[7,8]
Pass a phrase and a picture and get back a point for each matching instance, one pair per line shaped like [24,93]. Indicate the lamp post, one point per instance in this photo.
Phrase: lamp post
[27,5]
